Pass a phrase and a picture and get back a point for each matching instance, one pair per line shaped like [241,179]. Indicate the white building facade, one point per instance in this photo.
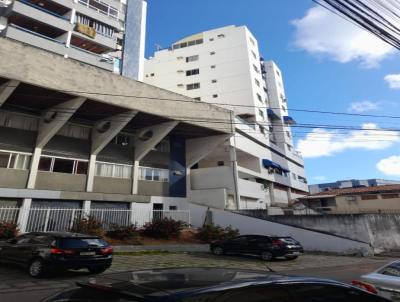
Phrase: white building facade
[258,167]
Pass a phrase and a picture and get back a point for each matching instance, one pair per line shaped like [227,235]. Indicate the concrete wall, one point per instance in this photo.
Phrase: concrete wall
[60,181]
[12,178]
[381,230]
[112,185]
[153,188]
[311,240]
[214,198]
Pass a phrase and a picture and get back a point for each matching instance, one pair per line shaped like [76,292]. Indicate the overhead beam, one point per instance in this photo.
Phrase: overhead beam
[55,118]
[149,137]
[7,89]
[198,148]
[114,125]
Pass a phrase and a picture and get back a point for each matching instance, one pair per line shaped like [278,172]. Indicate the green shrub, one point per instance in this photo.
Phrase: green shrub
[210,232]
[90,226]
[8,230]
[122,232]
[163,228]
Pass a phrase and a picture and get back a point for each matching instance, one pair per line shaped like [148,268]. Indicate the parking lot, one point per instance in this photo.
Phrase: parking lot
[16,285]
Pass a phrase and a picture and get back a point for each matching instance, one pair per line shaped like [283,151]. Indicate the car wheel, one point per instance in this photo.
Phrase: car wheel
[97,270]
[267,256]
[218,251]
[36,268]
[291,257]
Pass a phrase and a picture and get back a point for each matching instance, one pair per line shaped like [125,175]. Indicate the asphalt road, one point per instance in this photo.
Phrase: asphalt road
[30,292]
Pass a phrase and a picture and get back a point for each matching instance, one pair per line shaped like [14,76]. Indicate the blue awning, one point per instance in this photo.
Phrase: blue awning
[271,113]
[289,120]
[270,164]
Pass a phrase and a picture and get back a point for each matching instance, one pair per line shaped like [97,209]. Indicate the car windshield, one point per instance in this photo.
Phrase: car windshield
[392,269]
[81,242]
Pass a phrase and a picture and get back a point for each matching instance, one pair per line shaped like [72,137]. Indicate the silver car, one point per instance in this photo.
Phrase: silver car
[385,281]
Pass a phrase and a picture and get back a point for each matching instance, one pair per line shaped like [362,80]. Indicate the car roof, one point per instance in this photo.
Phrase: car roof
[192,281]
[61,234]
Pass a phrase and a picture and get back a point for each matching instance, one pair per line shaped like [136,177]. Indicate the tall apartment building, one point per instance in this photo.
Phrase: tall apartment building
[258,168]
[104,33]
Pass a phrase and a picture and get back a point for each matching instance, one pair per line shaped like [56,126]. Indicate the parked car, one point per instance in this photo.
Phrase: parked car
[45,252]
[268,247]
[385,281]
[211,284]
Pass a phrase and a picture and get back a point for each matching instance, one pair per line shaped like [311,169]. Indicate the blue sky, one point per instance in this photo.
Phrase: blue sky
[327,64]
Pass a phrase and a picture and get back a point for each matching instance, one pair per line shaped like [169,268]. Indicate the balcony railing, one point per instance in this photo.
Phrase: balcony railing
[42,9]
[108,9]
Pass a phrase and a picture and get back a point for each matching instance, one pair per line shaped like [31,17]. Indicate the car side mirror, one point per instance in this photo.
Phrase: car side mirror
[12,241]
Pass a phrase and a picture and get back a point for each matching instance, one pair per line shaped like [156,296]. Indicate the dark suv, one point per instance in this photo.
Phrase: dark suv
[267,247]
[45,252]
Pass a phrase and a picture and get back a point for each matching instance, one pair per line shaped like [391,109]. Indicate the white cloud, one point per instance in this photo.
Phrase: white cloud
[322,142]
[389,165]
[363,106]
[393,80]
[319,178]
[320,32]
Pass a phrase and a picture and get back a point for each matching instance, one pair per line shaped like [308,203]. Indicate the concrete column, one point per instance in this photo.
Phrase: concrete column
[271,193]
[132,217]
[68,40]
[24,214]
[34,168]
[7,89]
[135,177]
[233,163]
[91,173]
[86,208]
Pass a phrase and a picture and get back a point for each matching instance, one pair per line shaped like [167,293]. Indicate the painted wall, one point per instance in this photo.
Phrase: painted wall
[381,230]
[177,167]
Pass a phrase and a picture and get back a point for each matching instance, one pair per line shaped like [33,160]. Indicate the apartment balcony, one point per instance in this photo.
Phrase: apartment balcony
[100,11]
[100,42]
[38,40]
[56,45]
[52,15]
[212,178]
[251,189]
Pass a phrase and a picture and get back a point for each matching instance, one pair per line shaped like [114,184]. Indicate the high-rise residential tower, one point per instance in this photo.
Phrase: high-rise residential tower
[259,167]
[104,33]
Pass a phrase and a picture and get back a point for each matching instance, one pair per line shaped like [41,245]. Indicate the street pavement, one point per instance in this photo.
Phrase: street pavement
[16,285]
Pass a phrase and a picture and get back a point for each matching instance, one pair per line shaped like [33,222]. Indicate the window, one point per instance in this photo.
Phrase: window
[302,179]
[212,66]
[101,28]
[13,160]
[389,196]
[187,44]
[173,208]
[163,146]
[257,82]
[213,81]
[63,165]
[215,96]
[254,55]
[221,36]
[289,147]
[122,140]
[197,99]
[283,108]
[220,163]
[369,197]
[192,58]
[192,72]
[262,130]
[259,98]
[154,174]
[211,39]
[256,68]
[152,74]
[193,86]
[261,113]
[288,134]
[104,169]
[212,53]
[278,73]
[294,176]
[252,41]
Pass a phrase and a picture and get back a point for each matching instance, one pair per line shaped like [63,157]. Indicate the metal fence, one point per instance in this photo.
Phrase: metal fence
[61,219]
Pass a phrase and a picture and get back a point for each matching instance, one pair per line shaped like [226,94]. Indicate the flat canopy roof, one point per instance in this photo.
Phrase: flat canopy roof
[54,78]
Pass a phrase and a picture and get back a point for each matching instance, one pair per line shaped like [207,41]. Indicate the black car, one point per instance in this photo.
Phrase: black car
[267,247]
[211,285]
[45,252]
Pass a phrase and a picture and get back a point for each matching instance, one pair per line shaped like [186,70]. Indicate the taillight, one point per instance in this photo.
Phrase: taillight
[277,242]
[365,286]
[106,250]
[57,251]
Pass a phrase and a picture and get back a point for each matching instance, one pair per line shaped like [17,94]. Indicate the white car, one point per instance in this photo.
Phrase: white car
[385,281]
